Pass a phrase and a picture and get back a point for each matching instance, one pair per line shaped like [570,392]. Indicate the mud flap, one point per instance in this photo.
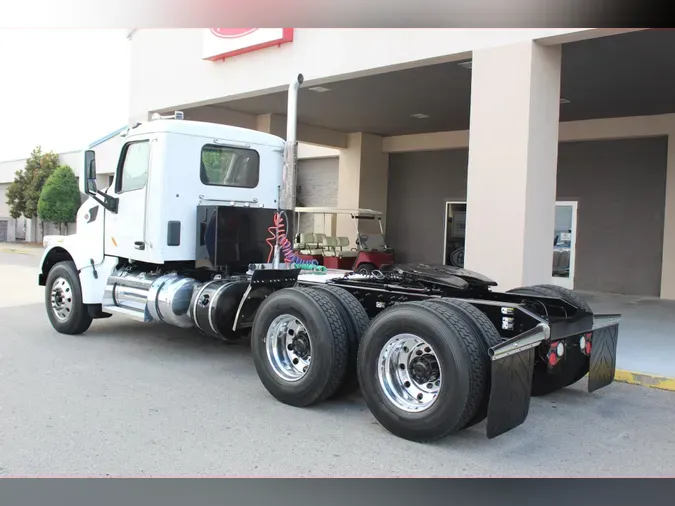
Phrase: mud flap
[512,369]
[602,363]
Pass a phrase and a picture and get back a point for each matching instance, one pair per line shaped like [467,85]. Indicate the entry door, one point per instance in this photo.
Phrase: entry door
[564,244]
[125,230]
[455,233]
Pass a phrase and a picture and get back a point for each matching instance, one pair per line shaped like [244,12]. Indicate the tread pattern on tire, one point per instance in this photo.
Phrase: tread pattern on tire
[339,334]
[473,354]
[571,295]
[357,322]
[337,331]
[487,335]
[83,320]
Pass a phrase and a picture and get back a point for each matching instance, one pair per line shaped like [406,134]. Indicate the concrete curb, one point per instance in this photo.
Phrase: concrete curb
[644,379]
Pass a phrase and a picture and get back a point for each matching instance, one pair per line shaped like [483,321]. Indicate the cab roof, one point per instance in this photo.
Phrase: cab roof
[204,129]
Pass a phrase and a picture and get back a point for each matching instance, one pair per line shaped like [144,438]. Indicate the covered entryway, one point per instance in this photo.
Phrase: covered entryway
[404,148]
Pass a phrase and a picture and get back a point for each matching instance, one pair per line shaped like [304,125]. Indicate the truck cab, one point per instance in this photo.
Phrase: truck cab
[170,173]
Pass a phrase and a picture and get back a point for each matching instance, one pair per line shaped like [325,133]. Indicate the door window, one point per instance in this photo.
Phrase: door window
[134,172]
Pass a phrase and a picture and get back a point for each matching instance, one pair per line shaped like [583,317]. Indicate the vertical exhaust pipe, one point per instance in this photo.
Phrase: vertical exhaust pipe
[287,195]
[290,173]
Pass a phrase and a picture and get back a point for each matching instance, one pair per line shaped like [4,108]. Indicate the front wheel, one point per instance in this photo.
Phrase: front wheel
[63,300]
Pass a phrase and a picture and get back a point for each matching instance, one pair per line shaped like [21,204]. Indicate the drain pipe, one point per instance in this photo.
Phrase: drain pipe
[287,196]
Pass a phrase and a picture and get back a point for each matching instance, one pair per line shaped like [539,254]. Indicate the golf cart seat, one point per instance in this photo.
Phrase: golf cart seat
[330,245]
[309,245]
[342,243]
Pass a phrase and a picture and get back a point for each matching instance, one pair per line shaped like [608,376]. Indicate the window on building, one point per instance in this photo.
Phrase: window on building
[229,166]
[134,174]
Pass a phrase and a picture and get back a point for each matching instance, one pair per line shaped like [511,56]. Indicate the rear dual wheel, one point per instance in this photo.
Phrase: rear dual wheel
[424,370]
[304,343]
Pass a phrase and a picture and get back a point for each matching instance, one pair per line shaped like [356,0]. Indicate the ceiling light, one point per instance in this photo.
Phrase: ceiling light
[419,115]
[318,89]
[564,101]
[466,64]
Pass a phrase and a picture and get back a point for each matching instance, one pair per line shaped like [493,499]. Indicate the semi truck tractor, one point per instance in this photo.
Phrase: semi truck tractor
[195,231]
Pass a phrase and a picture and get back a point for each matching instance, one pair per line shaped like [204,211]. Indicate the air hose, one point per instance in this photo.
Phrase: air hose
[279,230]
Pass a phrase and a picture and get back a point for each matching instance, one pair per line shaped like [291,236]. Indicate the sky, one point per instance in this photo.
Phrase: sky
[61,89]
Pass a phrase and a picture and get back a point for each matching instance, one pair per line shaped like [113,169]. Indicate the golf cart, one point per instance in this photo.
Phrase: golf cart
[324,248]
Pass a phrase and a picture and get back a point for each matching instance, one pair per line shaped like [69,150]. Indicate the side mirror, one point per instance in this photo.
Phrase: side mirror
[90,172]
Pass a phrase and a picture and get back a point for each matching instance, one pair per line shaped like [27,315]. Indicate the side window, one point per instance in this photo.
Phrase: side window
[134,171]
[229,166]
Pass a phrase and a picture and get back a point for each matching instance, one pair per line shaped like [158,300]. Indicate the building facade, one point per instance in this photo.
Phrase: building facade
[532,156]
[541,155]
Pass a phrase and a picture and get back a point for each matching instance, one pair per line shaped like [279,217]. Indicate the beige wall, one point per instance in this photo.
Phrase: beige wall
[615,128]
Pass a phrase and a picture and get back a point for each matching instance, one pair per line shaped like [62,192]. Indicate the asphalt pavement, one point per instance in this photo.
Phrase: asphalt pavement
[133,399]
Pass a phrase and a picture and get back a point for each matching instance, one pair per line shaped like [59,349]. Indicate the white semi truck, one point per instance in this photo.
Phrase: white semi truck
[195,232]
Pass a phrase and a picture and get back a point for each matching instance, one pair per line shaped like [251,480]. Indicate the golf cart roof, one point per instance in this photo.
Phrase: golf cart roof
[336,210]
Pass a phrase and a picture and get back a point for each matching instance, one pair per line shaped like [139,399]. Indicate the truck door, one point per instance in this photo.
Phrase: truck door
[125,230]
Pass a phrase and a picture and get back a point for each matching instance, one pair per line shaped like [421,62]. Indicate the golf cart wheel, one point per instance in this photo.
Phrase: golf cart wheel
[300,346]
[575,365]
[63,300]
[421,370]
[357,322]
[365,269]
[486,335]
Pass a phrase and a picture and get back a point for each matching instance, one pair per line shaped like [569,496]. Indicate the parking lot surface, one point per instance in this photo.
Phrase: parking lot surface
[131,399]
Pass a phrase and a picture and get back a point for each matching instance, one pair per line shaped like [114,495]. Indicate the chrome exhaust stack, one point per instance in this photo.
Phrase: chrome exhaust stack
[289,177]
[290,173]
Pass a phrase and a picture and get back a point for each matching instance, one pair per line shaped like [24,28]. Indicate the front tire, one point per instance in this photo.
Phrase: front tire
[422,371]
[63,300]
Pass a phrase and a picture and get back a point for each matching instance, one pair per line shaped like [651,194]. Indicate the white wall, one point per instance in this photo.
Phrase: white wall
[321,55]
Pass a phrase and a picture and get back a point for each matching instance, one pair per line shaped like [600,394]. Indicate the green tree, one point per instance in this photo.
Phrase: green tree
[23,193]
[60,198]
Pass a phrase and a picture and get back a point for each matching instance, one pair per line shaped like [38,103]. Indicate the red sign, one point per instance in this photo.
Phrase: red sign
[221,43]
[231,33]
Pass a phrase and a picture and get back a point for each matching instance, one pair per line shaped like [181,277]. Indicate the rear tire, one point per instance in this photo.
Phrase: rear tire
[486,336]
[448,349]
[311,324]
[357,322]
[576,364]
[365,269]
[63,300]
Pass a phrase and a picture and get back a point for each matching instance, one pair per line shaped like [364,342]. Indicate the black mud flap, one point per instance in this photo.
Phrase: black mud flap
[602,363]
[512,369]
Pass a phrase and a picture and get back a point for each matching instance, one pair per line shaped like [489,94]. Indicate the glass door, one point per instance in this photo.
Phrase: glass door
[455,231]
[564,244]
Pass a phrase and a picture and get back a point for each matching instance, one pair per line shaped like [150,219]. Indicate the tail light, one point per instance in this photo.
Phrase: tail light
[585,343]
[555,353]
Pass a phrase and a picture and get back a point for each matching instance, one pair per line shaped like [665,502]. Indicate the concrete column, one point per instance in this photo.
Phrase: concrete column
[513,149]
[362,181]
[668,262]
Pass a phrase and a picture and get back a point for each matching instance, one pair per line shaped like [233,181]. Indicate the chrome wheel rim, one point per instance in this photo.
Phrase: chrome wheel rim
[289,348]
[61,299]
[409,373]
